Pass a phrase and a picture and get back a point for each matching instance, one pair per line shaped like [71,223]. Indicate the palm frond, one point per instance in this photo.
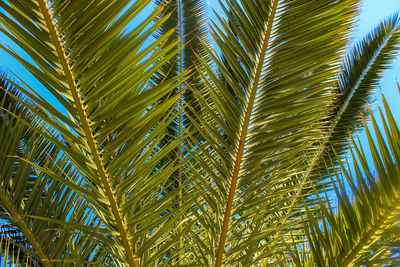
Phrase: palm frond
[248,129]
[167,151]
[364,229]
[361,72]
[13,253]
[87,69]
[26,191]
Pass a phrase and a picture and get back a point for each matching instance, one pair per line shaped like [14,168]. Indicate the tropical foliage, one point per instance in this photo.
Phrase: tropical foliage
[163,140]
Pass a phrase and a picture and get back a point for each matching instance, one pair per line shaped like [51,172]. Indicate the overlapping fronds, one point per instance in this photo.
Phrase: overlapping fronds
[167,151]
[34,190]
[13,254]
[365,228]
[251,156]
[115,120]
[187,19]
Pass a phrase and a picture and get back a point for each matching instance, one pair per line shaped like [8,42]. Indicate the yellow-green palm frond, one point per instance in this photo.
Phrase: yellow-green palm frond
[364,230]
[80,55]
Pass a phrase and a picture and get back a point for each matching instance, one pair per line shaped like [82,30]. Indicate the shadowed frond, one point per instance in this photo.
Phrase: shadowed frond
[365,229]
[360,76]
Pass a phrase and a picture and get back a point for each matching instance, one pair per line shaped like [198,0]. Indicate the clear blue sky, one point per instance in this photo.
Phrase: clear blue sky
[372,12]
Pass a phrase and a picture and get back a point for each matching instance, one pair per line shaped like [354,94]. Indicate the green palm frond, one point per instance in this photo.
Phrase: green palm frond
[365,228]
[87,70]
[29,194]
[180,143]
[258,130]
[187,20]
[13,254]
[361,72]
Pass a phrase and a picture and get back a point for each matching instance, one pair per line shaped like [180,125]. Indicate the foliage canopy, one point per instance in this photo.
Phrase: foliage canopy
[221,144]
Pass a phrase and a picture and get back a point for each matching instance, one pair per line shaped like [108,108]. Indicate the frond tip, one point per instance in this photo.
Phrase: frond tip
[364,230]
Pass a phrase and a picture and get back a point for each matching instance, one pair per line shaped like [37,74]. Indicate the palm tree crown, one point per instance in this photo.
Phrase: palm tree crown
[215,143]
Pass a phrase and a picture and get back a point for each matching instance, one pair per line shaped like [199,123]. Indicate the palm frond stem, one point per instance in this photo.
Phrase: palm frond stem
[87,130]
[243,135]
[20,222]
[180,130]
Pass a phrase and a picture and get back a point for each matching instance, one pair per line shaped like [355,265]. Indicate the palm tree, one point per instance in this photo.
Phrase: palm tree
[178,153]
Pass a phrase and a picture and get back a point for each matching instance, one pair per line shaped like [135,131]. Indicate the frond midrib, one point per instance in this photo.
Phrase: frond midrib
[20,222]
[326,141]
[345,104]
[83,118]
[243,134]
